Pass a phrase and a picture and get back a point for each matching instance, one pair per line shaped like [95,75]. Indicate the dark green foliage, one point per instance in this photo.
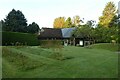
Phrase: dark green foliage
[106,35]
[15,22]
[33,28]
[16,38]
[51,43]
[100,34]
[84,31]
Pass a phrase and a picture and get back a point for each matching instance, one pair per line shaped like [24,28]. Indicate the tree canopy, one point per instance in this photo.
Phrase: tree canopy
[108,15]
[84,31]
[59,22]
[15,21]
[33,28]
[68,23]
[76,20]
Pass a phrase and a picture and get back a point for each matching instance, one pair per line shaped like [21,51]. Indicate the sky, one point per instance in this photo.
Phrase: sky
[43,12]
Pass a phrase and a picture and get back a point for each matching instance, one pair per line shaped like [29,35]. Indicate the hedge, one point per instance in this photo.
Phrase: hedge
[11,38]
[51,43]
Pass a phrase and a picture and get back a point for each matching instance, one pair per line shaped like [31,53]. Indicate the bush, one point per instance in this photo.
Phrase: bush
[16,38]
[51,43]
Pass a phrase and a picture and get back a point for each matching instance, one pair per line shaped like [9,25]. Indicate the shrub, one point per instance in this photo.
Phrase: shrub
[16,38]
[51,43]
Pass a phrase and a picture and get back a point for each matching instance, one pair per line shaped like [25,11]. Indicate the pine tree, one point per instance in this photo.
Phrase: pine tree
[33,28]
[15,21]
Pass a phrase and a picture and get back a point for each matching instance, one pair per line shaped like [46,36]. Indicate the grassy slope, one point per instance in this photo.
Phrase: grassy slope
[107,46]
[83,63]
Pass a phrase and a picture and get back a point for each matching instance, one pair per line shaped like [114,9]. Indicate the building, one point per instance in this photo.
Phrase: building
[64,34]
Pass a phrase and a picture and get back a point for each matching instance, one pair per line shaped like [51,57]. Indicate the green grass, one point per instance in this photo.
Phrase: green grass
[106,46]
[67,62]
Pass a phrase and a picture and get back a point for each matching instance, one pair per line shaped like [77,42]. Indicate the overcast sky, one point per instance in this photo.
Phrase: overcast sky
[43,12]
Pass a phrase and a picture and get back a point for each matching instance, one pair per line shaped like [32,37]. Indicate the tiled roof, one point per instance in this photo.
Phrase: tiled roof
[56,33]
[66,32]
[50,33]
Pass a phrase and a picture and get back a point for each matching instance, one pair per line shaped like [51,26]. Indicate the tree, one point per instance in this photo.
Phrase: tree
[59,22]
[33,28]
[68,23]
[90,23]
[15,21]
[108,14]
[84,31]
[76,20]
[104,34]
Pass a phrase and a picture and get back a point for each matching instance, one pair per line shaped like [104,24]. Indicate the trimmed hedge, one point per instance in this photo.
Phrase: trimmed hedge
[17,38]
[51,43]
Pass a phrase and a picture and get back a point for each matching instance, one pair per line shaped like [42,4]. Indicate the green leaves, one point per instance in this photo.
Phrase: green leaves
[83,31]
[68,23]
[33,28]
[15,21]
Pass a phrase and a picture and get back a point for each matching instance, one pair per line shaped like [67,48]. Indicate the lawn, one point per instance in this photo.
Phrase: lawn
[67,62]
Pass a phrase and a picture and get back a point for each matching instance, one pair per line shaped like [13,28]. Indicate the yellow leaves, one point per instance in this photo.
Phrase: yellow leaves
[108,14]
[59,22]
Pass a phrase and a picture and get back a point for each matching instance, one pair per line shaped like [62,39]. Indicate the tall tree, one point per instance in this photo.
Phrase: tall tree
[15,21]
[68,23]
[33,28]
[59,22]
[108,14]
